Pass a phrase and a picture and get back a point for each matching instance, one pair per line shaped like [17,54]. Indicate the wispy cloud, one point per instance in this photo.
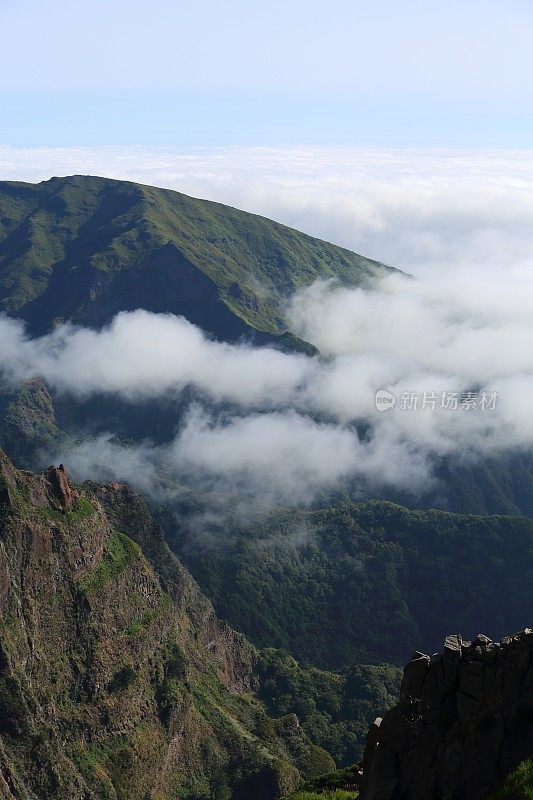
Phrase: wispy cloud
[288,426]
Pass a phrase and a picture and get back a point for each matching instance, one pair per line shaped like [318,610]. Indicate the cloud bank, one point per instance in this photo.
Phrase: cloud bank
[142,355]
[288,426]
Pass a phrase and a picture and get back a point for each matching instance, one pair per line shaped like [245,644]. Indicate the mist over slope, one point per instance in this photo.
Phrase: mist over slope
[289,427]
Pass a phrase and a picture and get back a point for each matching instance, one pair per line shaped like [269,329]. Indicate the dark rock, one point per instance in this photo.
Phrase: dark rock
[463,721]
[414,674]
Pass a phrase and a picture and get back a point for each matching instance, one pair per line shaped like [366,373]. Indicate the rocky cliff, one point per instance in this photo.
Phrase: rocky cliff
[464,720]
[117,681]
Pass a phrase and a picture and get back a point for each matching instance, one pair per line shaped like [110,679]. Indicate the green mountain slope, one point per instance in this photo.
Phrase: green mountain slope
[83,248]
[502,484]
[363,582]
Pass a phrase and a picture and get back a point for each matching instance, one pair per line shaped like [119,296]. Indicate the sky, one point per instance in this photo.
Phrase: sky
[220,73]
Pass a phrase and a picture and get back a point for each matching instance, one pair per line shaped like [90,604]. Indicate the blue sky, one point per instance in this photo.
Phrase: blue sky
[236,72]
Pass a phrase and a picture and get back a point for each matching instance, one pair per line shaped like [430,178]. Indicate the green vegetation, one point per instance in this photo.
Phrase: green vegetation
[122,679]
[120,552]
[107,765]
[139,627]
[365,583]
[13,719]
[83,508]
[339,785]
[518,785]
[334,794]
[171,690]
[335,709]
[83,248]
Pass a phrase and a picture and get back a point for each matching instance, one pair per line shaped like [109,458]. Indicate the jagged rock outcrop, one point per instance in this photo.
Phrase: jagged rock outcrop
[116,678]
[60,493]
[464,720]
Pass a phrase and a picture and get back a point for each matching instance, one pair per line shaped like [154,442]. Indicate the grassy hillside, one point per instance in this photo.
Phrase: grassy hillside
[83,248]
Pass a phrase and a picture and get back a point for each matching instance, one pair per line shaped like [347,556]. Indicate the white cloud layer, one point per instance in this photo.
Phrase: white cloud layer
[142,355]
[461,222]
[286,426]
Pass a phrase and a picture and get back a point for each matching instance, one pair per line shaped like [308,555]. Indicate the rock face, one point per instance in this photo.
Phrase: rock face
[117,680]
[60,493]
[463,722]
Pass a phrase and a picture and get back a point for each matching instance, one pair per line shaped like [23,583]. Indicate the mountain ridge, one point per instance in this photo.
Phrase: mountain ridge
[82,248]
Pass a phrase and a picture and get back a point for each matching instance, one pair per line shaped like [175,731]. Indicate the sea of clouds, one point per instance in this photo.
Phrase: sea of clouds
[413,208]
[287,427]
